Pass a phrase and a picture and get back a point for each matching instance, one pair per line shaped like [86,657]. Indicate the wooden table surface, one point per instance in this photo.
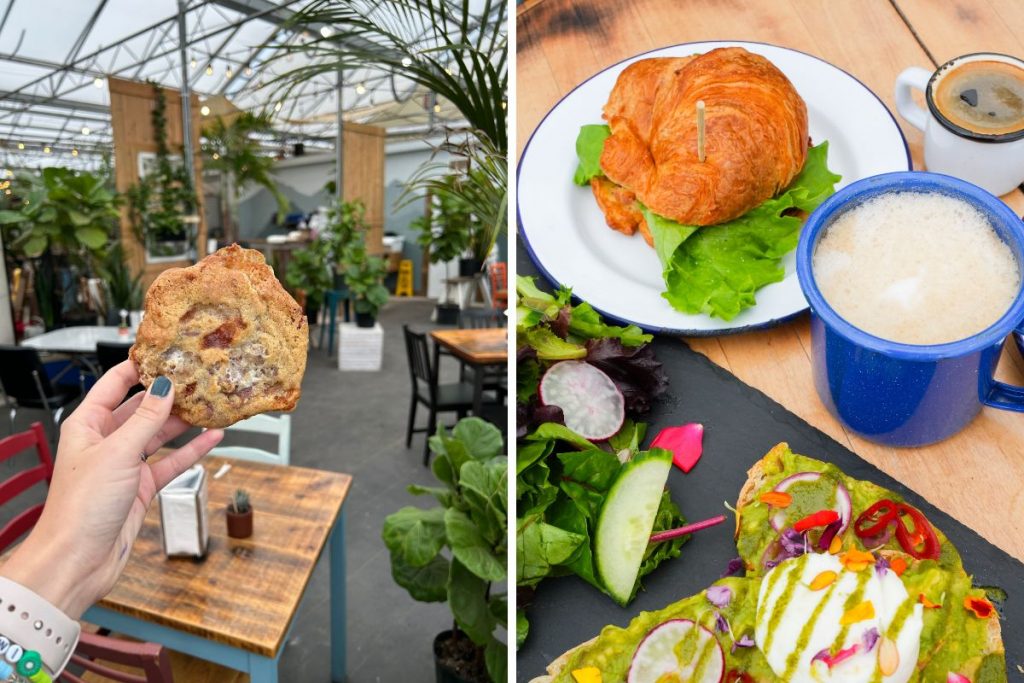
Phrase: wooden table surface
[486,346]
[978,475]
[245,592]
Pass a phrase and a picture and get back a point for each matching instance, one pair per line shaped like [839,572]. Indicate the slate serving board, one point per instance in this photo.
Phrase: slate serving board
[741,425]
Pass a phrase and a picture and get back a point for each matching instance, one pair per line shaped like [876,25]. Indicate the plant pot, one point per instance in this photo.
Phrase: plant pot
[468,267]
[312,312]
[447,314]
[365,319]
[239,524]
[456,670]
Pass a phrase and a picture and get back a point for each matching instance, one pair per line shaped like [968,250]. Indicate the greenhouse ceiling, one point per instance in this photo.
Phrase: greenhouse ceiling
[55,57]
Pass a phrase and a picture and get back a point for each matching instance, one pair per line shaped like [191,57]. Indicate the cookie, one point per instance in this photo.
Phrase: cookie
[228,336]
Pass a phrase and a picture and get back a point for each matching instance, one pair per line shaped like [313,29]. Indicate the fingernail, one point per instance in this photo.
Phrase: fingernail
[160,387]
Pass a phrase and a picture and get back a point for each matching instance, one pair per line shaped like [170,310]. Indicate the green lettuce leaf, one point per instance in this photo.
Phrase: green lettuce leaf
[585,322]
[589,145]
[717,269]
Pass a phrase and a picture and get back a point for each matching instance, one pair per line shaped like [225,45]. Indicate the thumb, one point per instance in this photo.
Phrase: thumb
[154,410]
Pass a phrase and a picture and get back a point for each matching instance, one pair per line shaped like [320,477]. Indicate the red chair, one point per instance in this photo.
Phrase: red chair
[499,285]
[125,655]
[35,437]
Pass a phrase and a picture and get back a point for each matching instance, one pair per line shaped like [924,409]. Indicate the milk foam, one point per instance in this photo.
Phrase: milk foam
[916,268]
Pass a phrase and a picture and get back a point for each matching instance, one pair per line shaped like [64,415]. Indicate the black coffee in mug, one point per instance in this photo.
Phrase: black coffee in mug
[985,97]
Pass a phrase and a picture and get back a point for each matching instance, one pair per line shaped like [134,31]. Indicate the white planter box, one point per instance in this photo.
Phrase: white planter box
[360,348]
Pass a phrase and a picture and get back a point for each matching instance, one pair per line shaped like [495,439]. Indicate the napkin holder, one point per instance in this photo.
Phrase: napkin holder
[183,514]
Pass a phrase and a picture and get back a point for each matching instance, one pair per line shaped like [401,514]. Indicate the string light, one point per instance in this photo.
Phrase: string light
[248,71]
[98,82]
[193,63]
[361,88]
[74,152]
[21,145]
[209,70]
[85,130]
[277,107]
[406,61]
[228,71]
[437,108]
[46,150]
[326,31]
[216,156]
[204,110]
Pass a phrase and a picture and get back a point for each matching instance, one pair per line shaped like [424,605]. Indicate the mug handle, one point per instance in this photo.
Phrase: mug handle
[913,78]
[1007,396]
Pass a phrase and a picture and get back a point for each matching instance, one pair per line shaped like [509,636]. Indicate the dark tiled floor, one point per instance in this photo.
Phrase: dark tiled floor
[355,423]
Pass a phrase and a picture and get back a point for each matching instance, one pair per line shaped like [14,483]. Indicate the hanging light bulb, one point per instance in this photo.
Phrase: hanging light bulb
[228,71]
[74,152]
[46,150]
[504,104]
[204,110]
[216,156]
[406,61]
[98,82]
[21,145]
[326,31]
[437,108]
[192,63]
[209,69]
[361,88]
[85,130]
[277,107]
[248,71]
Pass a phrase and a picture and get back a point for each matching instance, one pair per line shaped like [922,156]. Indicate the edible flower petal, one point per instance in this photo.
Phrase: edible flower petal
[793,543]
[862,612]
[888,657]
[829,535]
[776,499]
[927,603]
[686,442]
[981,607]
[836,546]
[816,519]
[744,641]
[956,678]
[856,560]
[898,565]
[822,580]
[881,565]
[831,660]
[721,624]
[588,674]
[719,596]
[734,568]
[870,638]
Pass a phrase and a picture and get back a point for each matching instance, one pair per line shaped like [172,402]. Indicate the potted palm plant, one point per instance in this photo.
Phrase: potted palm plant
[124,290]
[471,522]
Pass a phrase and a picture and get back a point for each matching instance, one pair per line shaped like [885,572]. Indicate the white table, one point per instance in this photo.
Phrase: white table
[76,340]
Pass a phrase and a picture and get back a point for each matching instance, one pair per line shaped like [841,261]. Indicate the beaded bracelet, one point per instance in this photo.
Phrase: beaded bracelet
[18,665]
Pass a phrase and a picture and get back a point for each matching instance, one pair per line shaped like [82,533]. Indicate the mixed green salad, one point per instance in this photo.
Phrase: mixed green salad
[717,269]
[587,497]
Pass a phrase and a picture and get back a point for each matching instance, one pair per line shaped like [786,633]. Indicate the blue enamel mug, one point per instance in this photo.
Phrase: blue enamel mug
[905,394]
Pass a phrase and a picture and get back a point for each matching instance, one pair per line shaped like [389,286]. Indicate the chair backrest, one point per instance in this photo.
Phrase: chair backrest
[110,354]
[477,318]
[419,358]
[280,426]
[11,488]
[111,657]
[22,374]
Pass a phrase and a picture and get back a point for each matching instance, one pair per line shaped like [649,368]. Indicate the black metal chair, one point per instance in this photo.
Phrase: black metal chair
[454,397]
[109,354]
[25,384]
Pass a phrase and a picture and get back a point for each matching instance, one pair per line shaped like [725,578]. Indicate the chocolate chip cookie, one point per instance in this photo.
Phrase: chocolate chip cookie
[228,336]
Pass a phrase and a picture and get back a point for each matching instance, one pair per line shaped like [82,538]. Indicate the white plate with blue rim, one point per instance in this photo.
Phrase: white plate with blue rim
[565,233]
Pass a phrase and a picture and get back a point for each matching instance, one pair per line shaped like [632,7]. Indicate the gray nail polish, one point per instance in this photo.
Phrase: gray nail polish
[161,386]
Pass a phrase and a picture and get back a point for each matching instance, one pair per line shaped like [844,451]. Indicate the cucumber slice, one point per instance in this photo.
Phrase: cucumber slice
[627,520]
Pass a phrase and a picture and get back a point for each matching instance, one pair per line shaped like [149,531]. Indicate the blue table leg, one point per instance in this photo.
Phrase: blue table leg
[262,669]
[338,609]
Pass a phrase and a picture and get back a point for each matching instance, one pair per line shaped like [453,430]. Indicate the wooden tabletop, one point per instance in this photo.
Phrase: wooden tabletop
[486,346]
[978,475]
[245,592]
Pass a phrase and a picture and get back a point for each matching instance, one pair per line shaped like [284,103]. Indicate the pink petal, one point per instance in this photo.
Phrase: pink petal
[832,660]
[956,678]
[686,443]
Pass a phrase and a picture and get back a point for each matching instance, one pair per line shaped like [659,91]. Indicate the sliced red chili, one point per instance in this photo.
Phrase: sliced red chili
[820,518]
[875,519]
[919,541]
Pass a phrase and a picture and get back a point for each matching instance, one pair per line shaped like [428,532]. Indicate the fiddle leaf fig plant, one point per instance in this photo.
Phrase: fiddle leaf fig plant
[456,551]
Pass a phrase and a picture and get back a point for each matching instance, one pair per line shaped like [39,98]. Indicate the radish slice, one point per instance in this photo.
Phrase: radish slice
[843,506]
[686,443]
[592,405]
[656,655]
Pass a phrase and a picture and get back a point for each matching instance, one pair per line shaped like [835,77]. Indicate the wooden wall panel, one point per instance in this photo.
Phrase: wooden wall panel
[363,176]
[131,104]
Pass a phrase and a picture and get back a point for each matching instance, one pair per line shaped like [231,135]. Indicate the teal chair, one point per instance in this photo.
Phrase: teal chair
[332,299]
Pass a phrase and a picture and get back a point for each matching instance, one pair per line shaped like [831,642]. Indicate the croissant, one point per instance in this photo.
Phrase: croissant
[755,137]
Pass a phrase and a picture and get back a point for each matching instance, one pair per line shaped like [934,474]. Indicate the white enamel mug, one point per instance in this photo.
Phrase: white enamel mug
[995,162]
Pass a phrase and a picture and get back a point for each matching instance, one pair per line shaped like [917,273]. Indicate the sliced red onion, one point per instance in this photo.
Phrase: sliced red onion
[843,504]
[828,534]
[719,596]
[788,545]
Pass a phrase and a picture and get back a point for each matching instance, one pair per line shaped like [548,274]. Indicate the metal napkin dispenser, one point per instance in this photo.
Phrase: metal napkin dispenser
[183,514]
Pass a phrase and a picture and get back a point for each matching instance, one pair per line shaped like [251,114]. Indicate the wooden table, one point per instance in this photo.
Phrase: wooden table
[236,606]
[978,475]
[480,348]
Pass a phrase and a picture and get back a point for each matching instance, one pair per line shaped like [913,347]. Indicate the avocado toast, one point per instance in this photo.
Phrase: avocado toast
[866,591]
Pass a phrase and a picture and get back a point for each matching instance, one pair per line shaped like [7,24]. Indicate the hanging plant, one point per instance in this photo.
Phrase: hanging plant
[159,201]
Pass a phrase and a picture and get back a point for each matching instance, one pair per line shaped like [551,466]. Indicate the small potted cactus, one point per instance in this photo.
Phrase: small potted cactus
[239,514]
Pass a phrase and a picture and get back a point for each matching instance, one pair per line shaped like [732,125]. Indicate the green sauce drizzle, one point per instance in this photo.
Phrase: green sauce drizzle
[805,633]
[780,605]
[856,597]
